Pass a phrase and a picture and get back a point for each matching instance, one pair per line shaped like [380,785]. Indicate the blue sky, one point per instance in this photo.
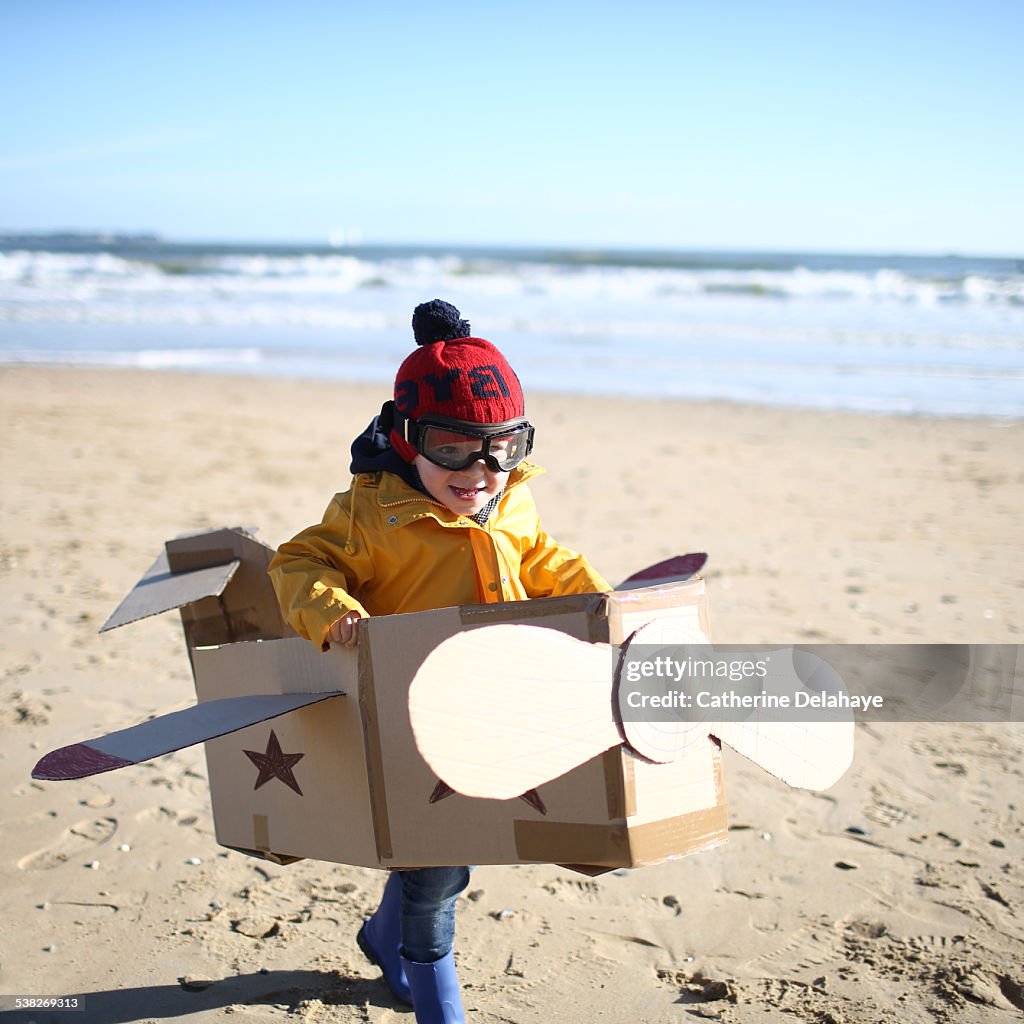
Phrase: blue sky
[846,127]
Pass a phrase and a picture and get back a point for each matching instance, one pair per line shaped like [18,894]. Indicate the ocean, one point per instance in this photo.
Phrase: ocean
[895,334]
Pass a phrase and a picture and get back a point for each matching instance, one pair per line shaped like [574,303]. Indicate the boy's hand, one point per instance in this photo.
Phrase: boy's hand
[345,631]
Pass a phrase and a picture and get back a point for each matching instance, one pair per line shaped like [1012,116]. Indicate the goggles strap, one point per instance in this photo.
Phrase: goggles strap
[405,427]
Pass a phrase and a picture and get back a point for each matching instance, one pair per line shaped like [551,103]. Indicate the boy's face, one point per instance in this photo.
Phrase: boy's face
[464,491]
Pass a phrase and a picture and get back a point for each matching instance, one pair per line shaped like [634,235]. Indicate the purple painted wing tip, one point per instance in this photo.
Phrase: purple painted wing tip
[75,762]
[681,566]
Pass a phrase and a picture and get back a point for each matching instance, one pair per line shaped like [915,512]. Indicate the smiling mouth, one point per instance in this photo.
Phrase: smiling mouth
[465,492]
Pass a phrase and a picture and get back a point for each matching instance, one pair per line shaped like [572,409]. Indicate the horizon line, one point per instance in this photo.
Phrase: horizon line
[107,236]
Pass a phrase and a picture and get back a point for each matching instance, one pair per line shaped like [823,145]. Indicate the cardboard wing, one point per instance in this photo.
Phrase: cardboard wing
[168,733]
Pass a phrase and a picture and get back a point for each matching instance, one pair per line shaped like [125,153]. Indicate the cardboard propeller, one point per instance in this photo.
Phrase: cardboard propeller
[500,710]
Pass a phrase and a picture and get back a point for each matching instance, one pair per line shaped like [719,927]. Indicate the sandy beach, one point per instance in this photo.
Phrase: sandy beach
[898,895]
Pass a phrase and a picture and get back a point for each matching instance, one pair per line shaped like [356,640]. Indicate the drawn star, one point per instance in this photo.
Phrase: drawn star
[442,790]
[275,764]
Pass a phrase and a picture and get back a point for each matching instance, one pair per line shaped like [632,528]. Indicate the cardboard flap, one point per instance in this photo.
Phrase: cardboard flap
[174,731]
[161,590]
[218,579]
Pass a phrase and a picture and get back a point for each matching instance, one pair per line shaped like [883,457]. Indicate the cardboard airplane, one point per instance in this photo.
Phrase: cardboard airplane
[393,755]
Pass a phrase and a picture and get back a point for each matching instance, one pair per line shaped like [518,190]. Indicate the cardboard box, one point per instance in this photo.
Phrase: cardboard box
[343,781]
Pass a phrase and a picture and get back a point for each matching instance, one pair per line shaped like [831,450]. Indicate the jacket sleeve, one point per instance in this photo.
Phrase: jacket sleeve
[550,570]
[316,573]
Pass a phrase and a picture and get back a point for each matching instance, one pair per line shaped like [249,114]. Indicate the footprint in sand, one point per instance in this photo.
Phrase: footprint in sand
[884,813]
[808,948]
[77,840]
[935,943]
[573,889]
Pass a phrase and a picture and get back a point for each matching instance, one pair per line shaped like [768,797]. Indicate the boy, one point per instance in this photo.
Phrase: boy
[438,514]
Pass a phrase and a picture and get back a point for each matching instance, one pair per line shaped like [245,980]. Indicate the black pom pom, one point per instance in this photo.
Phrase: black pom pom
[438,320]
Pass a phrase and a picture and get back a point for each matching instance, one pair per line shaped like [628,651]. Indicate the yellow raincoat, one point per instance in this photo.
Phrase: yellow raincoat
[384,547]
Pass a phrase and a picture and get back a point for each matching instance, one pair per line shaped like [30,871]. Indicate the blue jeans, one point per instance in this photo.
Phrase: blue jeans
[428,911]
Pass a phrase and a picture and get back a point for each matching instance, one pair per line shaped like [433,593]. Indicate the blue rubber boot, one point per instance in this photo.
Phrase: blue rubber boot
[436,997]
[380,939]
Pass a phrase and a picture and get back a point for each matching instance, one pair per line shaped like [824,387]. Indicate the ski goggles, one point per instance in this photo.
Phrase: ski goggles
[455,444]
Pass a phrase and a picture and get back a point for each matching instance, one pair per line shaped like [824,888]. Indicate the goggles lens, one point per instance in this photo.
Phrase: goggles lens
[457,449]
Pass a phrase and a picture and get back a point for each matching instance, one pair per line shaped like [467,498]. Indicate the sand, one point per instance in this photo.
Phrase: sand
[897,895]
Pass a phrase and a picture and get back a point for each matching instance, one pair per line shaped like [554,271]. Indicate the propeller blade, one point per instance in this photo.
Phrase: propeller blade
[806,754]
[497,727]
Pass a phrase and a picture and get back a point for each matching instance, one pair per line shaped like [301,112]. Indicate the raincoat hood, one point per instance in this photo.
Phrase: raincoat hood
[372,451]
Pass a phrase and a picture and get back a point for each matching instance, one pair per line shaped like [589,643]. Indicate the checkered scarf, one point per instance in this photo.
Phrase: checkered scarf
[484,514]
[480,517]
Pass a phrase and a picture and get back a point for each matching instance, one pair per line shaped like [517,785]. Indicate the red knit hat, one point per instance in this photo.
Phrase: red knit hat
[452,374]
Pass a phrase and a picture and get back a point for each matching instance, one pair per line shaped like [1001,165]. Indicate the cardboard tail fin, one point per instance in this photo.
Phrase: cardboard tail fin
[168,733]
[671,570]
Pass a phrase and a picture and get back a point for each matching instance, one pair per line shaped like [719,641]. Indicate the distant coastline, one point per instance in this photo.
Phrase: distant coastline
[76,241]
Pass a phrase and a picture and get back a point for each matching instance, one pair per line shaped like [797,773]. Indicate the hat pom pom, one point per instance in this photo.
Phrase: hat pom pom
[438,320]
